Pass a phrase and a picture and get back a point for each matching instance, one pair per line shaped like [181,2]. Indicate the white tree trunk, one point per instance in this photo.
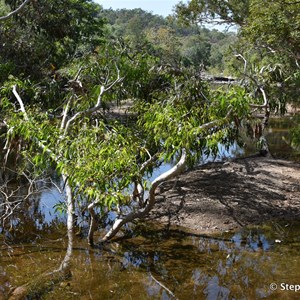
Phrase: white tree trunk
[176,170]
[66,263]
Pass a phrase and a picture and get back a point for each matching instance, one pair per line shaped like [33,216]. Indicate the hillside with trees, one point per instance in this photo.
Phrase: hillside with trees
[173,42]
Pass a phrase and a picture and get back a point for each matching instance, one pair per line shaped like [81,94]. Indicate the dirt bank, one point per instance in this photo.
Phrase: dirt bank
[225,196]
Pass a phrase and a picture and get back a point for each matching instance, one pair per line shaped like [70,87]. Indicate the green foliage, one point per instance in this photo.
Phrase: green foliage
[60,207]
[268,40]
[172,108]
[273,29]
[166,38]
[178,121]
[231,11]
[275,25]
[46,36]
[196,52]
[4,9]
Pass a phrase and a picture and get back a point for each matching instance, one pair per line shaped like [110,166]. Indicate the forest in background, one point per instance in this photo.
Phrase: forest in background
[172,41]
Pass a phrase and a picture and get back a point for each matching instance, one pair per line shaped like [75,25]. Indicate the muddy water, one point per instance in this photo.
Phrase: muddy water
[278,137]
[160,264]
[153,263]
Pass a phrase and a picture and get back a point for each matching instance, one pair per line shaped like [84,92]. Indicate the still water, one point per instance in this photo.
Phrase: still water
[156,264]
[152,262]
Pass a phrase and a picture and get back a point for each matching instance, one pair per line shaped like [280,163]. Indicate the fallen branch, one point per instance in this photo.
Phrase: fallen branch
[173,172]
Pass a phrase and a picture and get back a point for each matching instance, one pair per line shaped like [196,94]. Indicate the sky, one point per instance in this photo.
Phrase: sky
[158,7]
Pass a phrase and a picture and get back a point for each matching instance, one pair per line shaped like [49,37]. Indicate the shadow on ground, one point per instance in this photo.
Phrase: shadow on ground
[226,196]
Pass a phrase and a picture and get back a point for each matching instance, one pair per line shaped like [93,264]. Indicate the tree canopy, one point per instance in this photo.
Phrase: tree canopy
[63,68]
[268,37]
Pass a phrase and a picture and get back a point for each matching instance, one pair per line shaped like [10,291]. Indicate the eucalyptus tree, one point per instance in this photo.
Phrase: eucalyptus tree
[102,160]
[266,56]
[107,162]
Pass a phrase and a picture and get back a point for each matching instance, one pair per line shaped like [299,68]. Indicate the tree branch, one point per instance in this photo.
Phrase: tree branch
[93,222]
[16,11]
[163,286]
[177,169]
[98,105]
[22,107]
[238,56]
[66,263]
[52,155]
[265,104]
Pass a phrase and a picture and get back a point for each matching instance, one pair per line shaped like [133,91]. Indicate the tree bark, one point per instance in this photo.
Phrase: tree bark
[176,170]
[93,223]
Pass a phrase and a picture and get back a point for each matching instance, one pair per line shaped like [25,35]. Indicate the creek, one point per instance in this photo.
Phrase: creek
[151,262]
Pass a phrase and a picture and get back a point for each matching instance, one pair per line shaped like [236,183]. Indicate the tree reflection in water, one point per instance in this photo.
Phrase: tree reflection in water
[153,264]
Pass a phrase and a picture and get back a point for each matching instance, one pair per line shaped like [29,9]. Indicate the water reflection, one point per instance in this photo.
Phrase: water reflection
[154,264]
[164,265]
[26,211]
[278,137]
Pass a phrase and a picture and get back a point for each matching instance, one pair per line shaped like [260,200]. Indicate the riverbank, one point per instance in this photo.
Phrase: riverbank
[225,196]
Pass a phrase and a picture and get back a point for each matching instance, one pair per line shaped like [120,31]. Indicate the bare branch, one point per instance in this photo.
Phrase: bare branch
[102,90]
[65,265]
[65,114]
[149,161]
[238,56]
[95,108]
[265,104]
[16,11]
[22,107]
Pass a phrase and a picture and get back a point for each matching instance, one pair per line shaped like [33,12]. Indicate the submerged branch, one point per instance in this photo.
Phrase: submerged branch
[163,286]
